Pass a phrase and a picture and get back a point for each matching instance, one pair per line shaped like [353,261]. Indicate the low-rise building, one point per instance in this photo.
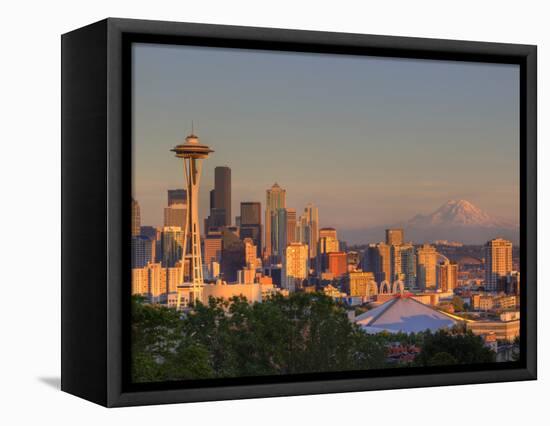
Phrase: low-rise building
[505,329]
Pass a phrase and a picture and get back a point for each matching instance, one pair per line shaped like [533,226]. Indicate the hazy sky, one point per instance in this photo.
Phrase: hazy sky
[370,141]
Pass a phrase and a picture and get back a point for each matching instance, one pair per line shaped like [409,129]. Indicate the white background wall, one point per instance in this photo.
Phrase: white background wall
[30,176]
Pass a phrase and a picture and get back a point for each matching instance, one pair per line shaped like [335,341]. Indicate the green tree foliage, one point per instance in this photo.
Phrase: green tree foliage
[284,335]
[160,351]
[302,333]
[458,303]
[442,358]
[452,347]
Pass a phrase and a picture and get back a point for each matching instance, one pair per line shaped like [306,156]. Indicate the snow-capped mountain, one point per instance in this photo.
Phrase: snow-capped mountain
[455,220]
[458,213]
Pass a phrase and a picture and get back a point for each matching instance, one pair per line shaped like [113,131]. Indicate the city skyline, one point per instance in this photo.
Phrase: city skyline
[374,191]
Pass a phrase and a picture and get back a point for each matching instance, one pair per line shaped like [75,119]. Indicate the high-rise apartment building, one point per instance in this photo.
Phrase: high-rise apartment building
[295,266]
[275,199]
[174,277]
[426,263]
[396,263]
[394,236]
[136,218]
[407,253]
[140,281]
[447,275]
[150,281]
[222,192]
[498,262]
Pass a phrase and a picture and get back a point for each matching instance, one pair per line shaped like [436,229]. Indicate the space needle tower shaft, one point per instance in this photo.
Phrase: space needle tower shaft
[192,152]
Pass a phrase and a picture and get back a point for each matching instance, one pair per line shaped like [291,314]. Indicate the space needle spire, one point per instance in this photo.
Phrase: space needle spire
[192,152]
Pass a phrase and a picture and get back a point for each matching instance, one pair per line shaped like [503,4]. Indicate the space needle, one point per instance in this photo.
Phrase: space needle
[192,152]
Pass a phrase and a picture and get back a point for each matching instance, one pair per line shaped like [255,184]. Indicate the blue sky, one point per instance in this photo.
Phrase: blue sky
[369,140]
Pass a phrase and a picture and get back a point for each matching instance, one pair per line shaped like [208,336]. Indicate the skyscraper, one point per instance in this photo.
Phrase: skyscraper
[222,192]
[447,275]
[394,236]
[328,243]
[295,266]
[192,152]
[154,235]
[142,251]
[275,199]
[279,233]
[408,265]
[377,260]
[251,213]
[311,214]
[251,223]
[172,245]
[290,225]
[426,262]
[396,260]
[233,254]
[250,253]
[212,252]
[177,196]
[337,263]
[175,215]
[136,218]
[498,262]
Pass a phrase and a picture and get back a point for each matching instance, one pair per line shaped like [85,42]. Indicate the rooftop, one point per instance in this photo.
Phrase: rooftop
[404,314]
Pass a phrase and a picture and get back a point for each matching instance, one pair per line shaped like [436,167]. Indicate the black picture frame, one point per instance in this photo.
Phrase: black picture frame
[96,90]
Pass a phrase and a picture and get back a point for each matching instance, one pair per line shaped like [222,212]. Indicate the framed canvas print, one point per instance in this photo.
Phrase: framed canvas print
[253,212]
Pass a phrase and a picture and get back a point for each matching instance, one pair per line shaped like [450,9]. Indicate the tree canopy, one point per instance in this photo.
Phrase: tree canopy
[301,333]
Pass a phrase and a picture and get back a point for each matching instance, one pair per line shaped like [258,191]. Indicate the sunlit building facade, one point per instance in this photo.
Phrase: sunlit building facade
[295,266]
[360,283]
[275,199]
[394,236]
[136,218]
[426,264]
[337,263]
[175,215]
[407,253]
[447,276]
[498,262]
